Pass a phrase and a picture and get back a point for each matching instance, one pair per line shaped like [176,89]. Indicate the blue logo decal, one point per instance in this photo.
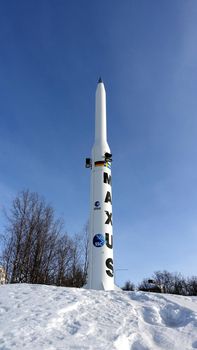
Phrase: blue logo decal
[98,240]
[97,204]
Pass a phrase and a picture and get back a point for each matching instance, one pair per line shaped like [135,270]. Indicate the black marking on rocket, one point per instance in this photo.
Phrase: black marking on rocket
[109,218]
[107,238]
[109,265]
[107,178]
[108,197]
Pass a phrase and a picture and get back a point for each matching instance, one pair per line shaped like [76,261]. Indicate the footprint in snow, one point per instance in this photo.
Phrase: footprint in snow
[194,345]
[3,309]
[173,316]
[139,346]
[151,315]
[74,327]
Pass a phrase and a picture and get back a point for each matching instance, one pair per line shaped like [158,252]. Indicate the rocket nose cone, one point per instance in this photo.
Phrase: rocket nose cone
[100,80]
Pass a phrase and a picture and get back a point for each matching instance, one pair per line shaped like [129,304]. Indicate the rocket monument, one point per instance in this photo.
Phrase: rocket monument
[100,256]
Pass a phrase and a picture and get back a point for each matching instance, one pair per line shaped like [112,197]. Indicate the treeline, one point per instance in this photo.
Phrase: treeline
[36,249]
[166,282]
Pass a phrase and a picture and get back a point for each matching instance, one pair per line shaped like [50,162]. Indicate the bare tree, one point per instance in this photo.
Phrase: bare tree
[84,244]
[63,260]
[168,282]
[128,286]
[192,286]
[35,248]
[31,233]
[76,276]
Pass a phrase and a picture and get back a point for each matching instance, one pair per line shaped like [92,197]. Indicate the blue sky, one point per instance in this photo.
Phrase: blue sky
[51,55]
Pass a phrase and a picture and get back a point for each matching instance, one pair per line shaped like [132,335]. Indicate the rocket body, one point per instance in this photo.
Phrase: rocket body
[100,257]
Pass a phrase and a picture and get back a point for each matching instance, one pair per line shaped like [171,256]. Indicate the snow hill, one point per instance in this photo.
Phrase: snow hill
[50,318]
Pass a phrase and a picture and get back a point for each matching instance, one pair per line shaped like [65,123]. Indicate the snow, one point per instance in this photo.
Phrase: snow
[37,317]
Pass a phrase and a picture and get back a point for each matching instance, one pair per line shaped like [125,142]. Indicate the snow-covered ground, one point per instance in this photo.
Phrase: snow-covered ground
[50,318]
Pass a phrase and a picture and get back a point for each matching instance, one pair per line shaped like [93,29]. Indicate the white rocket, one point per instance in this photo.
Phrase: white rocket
[100,262]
